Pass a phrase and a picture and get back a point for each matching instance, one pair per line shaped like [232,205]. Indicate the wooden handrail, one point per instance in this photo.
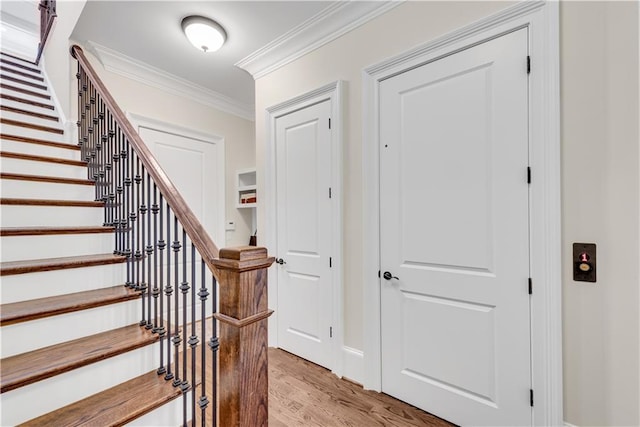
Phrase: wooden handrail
[190,223]
[47,15]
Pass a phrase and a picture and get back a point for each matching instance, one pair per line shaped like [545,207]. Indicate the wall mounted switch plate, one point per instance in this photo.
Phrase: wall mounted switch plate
[584,262]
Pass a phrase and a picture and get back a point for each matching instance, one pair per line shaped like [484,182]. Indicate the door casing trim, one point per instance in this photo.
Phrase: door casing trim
[334,92]
[542,20]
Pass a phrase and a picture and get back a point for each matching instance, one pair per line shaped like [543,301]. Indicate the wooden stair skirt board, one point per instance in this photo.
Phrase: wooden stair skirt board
[115,406]
[9,122]
[20,73]
[42,178]
[28,368]
[49,264]
[29,140]
[28,113]
[24,311]
[26,101]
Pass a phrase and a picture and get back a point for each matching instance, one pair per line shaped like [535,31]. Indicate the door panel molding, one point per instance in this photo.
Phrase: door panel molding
[544,158]
[334,92]
[139,121]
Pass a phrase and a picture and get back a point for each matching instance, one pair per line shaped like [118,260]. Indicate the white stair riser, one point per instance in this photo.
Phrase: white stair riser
[28,286]
[37,399]
[11,165]
[25,216]
[38,150]
[45,190]
[34,133]
[26,96]
[27,336]
[29,107]
[30,119]
[168,415]
[16,248]
[25,86]
[20,70]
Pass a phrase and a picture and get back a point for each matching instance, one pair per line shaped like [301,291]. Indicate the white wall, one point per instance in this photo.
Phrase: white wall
[599,60]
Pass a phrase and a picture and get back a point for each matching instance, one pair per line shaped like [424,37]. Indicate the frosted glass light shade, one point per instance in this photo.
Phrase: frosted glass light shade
[204,33]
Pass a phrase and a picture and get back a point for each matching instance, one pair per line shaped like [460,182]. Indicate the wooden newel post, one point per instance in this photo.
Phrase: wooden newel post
[243,385]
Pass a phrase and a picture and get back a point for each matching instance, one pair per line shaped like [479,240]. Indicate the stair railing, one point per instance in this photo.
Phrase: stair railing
[47,16]
[175,265]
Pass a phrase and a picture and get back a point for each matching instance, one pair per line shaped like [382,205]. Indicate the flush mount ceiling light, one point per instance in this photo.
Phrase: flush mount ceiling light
[204,33]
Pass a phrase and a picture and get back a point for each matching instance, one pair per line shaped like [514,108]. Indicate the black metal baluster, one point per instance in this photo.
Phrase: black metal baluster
[168,290]
[112,170]
[79,123]
[123,191]
[161,246]
[193,339]
[176,335]
[128,182]
[149,252]
[214,344]
[141,263]
[184,287]
[203,294]
[155,292]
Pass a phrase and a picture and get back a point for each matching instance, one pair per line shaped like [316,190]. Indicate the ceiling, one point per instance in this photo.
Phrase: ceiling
[150,32]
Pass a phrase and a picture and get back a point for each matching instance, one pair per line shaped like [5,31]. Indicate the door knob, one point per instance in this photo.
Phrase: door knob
[280,261]
[389,276]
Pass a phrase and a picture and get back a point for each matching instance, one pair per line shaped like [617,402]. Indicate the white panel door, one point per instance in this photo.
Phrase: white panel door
[303,178]
[455,235]
[194,167]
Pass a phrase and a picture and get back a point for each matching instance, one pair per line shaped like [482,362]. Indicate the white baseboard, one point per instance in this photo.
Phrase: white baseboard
[353,364]
[566,424]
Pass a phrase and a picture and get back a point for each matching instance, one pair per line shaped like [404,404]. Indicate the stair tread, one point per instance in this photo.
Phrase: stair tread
[50,202]
[25,101]
[14,61]
[37,230]
[28,113]
[44,307]
[45,178]
[30,140]
[21,73]
[47,264]
[115,406]
[21,80]
[25,91]
[11,122]
[35,158]
[28,368]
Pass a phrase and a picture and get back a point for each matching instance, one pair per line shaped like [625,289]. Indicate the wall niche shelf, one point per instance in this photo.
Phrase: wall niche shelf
[246,195]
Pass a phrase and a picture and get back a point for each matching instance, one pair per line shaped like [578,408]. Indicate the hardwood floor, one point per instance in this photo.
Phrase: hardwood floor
[304,394]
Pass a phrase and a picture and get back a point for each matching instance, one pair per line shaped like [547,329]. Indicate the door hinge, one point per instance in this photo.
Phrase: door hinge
[531,397]
[330,262]
[329,122]
[528,64]
[329,192]
[379,274]
[331,334]
[528,175]
[530,286]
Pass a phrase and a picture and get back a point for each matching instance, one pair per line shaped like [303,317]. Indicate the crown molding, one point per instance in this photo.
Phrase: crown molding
[133,69]
[332,22]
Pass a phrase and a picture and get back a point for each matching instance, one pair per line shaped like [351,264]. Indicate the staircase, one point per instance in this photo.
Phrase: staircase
[73,352]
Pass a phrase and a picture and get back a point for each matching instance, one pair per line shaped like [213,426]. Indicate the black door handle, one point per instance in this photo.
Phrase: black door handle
[389,276]
[280,261]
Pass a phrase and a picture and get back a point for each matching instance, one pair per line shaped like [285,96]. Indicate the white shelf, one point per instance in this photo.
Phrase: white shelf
[245,184]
